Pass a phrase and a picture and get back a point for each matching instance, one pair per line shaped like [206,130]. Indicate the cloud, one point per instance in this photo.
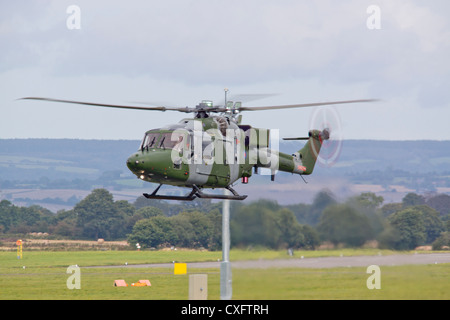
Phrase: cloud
[182,51]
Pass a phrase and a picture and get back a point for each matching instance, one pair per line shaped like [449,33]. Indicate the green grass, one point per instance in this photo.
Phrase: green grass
[102,258]
[107,258]
[44,277]
[397,282]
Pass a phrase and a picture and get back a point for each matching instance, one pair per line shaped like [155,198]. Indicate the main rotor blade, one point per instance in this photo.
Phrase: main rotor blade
[187,110]
[303,105]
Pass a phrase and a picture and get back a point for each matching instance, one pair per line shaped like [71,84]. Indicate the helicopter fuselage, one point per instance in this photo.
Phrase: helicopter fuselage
[213,152]
[206,152]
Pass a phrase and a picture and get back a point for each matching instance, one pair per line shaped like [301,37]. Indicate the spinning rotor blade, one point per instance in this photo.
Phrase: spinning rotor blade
[303,105]
[186,109]
[216,108]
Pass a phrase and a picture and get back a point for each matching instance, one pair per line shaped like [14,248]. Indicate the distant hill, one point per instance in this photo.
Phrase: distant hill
[387,166]
[25,159]
[22,158]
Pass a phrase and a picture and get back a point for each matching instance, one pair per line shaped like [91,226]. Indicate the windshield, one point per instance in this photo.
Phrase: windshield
[150,140]
[165,140]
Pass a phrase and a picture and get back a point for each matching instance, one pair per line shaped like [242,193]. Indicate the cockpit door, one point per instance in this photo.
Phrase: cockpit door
[207,154]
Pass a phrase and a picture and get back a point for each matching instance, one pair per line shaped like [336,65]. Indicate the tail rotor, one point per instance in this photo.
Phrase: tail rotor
[327,120]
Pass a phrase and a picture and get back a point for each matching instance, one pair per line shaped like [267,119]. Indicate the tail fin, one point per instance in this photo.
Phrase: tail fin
[310,152]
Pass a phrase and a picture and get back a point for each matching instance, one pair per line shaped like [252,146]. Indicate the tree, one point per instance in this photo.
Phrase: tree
[148,212]
[368,204]
[7,214]
[341,223]
[66,224]
[24,219]
[265,223]
[411,227]
[321,201]
[37,218]
[369,200]
[254,224]
[312,239]
[442,242]
[406,230]
[215,222]
[98,216]
[193,229]
[65,228]
[390,208]
[301,212]
[432,224]
[440,203]
[412,199]
[153,232]
[291,235]
[125,207]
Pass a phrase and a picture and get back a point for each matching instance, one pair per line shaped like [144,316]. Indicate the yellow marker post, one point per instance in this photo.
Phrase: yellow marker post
[19,249]
[179,268]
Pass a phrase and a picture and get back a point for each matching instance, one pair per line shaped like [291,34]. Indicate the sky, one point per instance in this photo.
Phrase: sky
[179,52]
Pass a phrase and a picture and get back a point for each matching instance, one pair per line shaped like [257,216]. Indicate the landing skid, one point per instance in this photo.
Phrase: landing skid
[195,193]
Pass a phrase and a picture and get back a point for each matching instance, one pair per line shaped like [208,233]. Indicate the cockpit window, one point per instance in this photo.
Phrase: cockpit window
[150,140]
[165,140]
[169,140]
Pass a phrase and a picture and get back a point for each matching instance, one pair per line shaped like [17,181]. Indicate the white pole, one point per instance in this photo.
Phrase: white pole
[225,266]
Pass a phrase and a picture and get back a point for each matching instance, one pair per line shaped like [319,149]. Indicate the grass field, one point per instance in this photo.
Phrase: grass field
[44,277]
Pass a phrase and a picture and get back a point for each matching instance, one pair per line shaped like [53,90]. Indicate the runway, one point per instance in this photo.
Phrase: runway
[323,262]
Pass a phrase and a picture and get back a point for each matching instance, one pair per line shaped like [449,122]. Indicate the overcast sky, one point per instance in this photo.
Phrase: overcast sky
[179,52]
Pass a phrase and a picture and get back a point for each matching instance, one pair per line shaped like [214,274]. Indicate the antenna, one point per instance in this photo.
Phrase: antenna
[226,91]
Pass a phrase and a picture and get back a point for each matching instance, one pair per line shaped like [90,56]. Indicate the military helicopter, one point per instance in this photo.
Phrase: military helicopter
[213,149]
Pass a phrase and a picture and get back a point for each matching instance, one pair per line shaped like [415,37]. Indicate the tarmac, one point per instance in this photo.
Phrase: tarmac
[322,262]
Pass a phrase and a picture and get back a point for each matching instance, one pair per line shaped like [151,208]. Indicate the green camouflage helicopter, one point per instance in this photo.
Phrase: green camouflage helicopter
[213,149]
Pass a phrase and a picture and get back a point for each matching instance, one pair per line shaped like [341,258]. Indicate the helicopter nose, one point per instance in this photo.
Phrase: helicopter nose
[134,163]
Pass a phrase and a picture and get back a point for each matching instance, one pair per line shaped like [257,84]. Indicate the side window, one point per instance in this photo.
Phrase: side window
[178,140]
[180,143]
[171,140]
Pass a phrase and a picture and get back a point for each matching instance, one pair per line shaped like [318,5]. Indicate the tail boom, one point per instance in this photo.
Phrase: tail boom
[303,161]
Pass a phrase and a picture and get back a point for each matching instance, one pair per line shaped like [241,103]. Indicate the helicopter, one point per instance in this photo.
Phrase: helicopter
[213,149]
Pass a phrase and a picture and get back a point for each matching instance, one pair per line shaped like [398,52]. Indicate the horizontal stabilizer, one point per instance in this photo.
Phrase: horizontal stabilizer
[298,138]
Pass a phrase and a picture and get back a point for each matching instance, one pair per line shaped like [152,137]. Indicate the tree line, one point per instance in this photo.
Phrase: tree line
[417,220]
